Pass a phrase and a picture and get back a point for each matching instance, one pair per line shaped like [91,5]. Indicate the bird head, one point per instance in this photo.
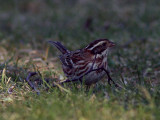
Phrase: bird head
[100,46]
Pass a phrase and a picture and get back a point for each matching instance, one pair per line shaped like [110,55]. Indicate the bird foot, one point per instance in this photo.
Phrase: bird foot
[109,82]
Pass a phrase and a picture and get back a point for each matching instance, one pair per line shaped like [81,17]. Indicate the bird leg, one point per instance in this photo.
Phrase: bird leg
[109,78]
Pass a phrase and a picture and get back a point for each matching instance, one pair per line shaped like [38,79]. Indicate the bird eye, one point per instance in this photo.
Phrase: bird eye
[104,44]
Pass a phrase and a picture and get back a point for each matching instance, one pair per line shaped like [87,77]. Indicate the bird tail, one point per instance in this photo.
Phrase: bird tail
[59,46]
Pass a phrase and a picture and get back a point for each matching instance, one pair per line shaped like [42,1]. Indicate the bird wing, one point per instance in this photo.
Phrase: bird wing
[77,57]
[82,62]
[76,64]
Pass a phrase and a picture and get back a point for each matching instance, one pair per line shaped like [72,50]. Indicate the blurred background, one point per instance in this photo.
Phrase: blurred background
[77,22]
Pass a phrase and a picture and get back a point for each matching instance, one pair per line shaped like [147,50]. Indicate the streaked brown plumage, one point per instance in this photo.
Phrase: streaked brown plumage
[88,64]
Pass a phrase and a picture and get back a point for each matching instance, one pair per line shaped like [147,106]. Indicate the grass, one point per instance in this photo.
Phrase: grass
[26,25]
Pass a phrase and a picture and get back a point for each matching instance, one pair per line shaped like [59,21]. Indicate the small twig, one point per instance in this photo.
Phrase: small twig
[30,83]
[123,81]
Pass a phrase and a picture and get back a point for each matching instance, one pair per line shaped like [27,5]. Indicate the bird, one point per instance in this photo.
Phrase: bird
[88,65]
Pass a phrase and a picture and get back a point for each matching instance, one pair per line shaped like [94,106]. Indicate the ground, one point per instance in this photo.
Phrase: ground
[25,28]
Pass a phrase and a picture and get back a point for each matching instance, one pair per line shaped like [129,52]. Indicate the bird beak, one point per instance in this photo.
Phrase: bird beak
[112,44]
